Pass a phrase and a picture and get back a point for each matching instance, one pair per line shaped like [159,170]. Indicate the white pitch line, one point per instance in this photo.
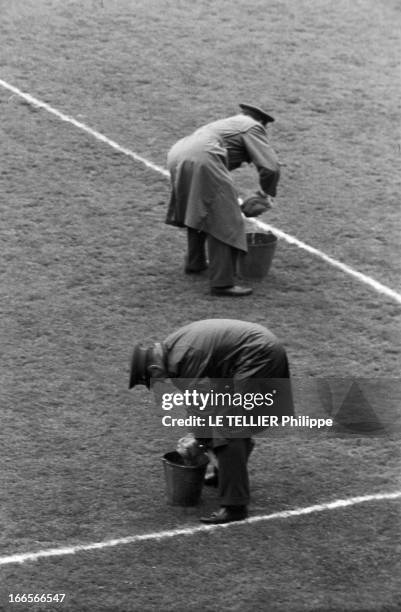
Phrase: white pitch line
[39,104]
[188,531]
[363,278]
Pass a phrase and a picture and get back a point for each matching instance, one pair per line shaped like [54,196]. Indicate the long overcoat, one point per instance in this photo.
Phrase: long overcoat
[203,195]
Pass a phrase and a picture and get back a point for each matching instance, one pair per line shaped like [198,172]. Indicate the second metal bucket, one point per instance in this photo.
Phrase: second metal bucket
[256,263]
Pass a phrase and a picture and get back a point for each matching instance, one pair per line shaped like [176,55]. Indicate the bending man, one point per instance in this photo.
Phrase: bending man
[204,199]
[228,356]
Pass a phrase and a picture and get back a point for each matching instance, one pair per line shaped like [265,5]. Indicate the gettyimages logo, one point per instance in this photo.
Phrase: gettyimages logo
[227,408]
[363,407]
[215,400]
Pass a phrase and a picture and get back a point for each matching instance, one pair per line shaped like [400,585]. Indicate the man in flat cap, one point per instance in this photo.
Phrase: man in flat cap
[226,356]
[203,196]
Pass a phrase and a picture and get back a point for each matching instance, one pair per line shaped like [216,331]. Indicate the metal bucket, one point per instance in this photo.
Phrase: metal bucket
[183,482]
[256,263]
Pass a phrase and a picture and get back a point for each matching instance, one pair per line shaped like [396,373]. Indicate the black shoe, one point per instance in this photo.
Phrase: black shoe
[226,514]
[233,291]
[212,480]
[195,270]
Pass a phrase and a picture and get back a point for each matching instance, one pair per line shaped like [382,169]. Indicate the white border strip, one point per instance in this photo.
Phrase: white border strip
[162,535]
[363,278]
[81,126]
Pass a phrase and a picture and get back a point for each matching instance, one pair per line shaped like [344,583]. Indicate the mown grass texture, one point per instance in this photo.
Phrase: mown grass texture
[90,268]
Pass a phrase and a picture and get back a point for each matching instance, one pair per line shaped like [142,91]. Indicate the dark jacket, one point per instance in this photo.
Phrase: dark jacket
[230,355]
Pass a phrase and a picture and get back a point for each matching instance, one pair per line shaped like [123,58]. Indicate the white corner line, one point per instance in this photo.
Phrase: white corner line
[189,531]
[78,124]
[363,278]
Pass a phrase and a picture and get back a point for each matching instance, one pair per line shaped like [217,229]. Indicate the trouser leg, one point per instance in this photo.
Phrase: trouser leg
[222,264]
[196,251]
[233,472]
[250,447]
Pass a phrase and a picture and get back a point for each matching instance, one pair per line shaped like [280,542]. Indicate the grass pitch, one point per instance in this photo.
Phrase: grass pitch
[89,268]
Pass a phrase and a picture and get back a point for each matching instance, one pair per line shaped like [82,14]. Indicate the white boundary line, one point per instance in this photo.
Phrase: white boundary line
[363,278]
[81,126]
[188,531]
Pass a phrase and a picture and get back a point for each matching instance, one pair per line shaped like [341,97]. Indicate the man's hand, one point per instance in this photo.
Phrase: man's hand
[257,204]
[190,449]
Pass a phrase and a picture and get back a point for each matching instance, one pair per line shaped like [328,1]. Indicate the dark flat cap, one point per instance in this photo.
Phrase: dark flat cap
[256,110]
